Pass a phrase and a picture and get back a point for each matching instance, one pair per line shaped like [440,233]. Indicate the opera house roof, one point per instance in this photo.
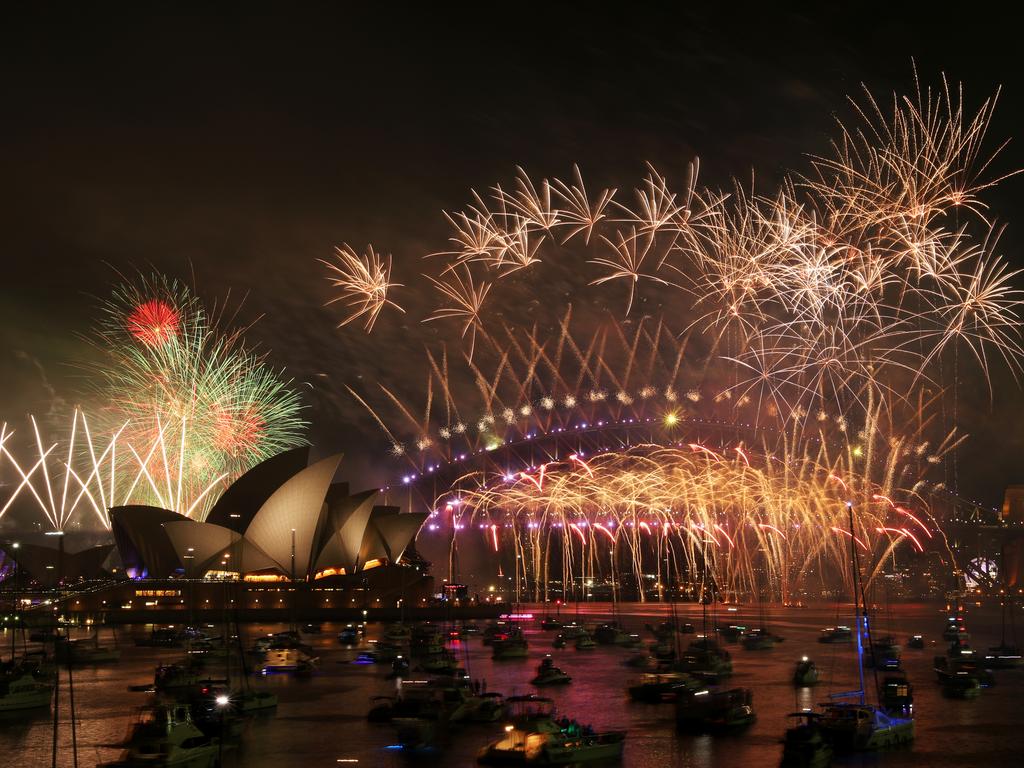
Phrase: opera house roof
[284,517]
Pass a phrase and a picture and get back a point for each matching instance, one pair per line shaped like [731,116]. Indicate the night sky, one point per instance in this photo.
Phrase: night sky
[234,150]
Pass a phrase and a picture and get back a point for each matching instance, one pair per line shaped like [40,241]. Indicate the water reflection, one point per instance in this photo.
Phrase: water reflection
[322,719]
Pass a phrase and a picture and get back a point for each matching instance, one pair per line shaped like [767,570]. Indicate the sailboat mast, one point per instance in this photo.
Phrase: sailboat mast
[856,602]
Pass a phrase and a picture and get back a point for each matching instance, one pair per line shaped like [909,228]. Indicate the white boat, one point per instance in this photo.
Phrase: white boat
[23,692]
[167,737]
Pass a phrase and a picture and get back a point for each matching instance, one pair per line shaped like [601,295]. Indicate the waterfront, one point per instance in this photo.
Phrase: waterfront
[322,719]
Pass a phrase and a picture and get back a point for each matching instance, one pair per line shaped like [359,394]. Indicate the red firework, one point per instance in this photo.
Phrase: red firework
[153,322]
[237,432]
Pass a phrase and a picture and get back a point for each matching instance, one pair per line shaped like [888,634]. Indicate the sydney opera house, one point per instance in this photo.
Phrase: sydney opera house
[284,532]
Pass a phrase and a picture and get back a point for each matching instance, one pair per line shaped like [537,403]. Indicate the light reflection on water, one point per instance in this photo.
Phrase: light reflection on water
[322,719]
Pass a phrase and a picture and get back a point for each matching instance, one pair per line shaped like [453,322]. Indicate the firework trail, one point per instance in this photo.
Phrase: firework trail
[825,315]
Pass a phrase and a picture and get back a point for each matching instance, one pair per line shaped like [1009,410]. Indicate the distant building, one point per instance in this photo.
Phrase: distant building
[281,520]
[1013,504]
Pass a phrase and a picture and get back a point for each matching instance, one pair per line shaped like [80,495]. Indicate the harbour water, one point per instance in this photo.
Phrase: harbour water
[321,720]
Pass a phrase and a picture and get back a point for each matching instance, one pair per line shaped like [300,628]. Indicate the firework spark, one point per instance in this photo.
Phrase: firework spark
[363,283]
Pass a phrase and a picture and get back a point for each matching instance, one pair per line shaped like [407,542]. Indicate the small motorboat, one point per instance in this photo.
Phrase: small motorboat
[915,641]
[534,736]
[550,622]
[510,646]
[806,673]
[549,674]
[840,634]
[585,642]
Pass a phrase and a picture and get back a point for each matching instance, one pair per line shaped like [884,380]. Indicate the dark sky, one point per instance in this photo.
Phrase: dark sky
[239,147]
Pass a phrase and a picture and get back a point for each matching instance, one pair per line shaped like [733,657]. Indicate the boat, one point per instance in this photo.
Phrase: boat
[85,651]
[167,736]
[493,630]
[349,635]
[549,623]
[863,727]
[419,737]
[585,642]
[658,687]
[704,658]
[22,691]
[287,660]
[549,674]
[962,660]
[703,709]
[610,634]
[735,718]
[806,673]
[1006,655]
[961,686]
[731,633]
[510,646]
[161,638]
[847,719]
[840,634]
[534,736]
[398,634]
[886,647]
[915,641]
[896,693]
[1003,656]
[482,708]
[433,701]
[805,745]
[758,640]
[559,641]
[172,676]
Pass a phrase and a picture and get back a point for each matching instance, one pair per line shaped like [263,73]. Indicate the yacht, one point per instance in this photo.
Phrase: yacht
[847,719]
[166,736]
[863,727]
[22,691]
[534,736]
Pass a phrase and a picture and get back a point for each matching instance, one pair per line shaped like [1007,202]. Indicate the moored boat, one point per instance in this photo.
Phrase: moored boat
[805,745]
[806,673]
[534,736]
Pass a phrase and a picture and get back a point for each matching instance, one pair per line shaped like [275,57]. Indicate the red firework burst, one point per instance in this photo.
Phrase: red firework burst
[153,322]
[237,432]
